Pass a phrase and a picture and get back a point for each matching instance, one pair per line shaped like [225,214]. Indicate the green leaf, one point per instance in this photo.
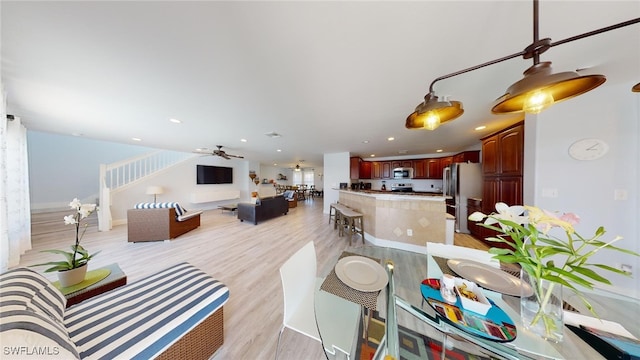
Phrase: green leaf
[590,273]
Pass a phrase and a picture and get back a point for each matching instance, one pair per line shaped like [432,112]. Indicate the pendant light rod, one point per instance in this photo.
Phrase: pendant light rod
[508,57]
[537,47]
[596,32]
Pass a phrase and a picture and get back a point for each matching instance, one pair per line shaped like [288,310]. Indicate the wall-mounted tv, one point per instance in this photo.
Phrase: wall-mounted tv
[207,174]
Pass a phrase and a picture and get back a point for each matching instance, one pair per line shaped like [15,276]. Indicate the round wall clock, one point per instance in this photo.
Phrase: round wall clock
[588,149]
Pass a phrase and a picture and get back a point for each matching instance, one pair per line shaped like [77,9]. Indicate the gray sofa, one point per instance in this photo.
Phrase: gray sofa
[268,208]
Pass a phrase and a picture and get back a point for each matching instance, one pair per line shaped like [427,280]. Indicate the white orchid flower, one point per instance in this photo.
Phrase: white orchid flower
[86,210]
[509,213]
[477,216]
[75,203]
[69,220]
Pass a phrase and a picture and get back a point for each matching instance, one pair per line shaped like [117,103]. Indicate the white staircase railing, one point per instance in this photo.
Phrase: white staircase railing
[125,173]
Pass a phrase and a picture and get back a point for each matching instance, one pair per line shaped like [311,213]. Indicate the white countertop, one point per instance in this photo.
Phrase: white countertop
[397,196]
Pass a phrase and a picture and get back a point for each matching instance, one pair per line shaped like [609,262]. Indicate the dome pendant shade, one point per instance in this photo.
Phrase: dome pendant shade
[550,88]
[432,113]
[636,88]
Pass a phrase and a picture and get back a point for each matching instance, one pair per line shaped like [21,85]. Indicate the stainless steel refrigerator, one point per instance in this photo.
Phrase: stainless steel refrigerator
[461,181]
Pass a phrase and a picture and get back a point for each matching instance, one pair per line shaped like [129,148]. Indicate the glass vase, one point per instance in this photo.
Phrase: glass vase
[541,309]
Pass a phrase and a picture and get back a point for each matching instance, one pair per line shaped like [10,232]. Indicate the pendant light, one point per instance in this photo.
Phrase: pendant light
[433,112]
[539,89]
[636,88]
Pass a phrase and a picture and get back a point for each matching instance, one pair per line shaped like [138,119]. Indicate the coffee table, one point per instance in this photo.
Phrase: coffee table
[229,207]
[115,279]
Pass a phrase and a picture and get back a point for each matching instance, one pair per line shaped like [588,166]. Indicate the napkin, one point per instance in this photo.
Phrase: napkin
[575,319]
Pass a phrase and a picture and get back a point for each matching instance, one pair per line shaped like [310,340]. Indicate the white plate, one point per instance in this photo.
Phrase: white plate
[361,273]
[489,277]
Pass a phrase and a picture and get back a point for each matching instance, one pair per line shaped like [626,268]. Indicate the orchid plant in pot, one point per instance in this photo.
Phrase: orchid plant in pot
[73,268]
[549,262]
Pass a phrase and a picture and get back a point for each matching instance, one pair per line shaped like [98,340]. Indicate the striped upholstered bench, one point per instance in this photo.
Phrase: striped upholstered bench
[175,313]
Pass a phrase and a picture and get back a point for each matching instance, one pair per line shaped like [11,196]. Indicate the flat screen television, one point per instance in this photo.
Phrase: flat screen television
[208,174]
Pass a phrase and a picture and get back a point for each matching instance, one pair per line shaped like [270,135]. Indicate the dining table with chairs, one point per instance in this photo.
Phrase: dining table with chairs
[397,318]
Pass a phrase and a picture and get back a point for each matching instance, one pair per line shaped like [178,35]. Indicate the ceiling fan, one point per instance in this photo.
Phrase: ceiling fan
[219,152]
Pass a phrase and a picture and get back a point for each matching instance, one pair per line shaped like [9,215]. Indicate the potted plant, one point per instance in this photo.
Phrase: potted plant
[72,270]
[548,262]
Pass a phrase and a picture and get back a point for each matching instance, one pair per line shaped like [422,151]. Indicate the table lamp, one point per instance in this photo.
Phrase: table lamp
[154,190]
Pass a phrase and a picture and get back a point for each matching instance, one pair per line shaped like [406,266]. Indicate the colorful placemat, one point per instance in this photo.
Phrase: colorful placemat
[92,277]
[496,325]
[332,284]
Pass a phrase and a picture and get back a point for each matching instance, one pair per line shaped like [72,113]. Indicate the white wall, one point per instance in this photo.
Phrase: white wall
[336,171]
[62,167]
[611,113]
[179,183]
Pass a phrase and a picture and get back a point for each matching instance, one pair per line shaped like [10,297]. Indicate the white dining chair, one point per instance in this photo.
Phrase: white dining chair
[298,275]
[461,252]
[337,317]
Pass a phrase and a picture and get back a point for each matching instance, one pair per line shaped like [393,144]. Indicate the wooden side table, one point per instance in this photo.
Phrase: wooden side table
[115,279]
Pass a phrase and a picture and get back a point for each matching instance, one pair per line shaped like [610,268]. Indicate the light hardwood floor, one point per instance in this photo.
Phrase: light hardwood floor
[245,257]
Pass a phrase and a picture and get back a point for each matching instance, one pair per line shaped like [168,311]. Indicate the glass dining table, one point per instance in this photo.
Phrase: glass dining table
[396,322]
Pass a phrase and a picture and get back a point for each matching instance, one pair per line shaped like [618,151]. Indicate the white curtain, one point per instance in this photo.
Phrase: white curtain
[15,210]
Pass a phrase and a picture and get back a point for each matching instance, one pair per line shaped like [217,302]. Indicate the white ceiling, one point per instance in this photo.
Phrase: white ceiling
[325,75]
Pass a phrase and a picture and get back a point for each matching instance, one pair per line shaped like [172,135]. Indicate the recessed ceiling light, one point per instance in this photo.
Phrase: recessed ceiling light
[481,127]
[373,155]
[175,121]
[439,150]
[279,150]
[365,141]
[136,139]
[391,138]
[243,140]
[275,164]
[402,151]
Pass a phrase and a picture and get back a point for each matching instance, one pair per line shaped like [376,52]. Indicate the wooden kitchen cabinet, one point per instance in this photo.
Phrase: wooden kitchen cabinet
[401,164]
[503,153]
[420,169]
[386,170]
[446,161]
[376,170]
[434,169]
[354,163]
[365,169]
[472,156]
[474,205]
[502,168]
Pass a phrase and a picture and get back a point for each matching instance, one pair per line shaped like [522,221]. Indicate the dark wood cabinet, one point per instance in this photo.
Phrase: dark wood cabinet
[474,205]
[490,156]
[376,170]
[355,167]
[420,169]
[511,145]
[386,170]
[472,156]
[502,168]
[446,161]
[503,153]
[365,169]
[434,169]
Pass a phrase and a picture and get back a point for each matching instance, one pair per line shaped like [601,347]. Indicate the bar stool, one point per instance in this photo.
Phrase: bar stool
[332,212]
[353,222]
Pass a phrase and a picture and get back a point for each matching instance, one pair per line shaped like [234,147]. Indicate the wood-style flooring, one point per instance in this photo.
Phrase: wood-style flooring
[244,256]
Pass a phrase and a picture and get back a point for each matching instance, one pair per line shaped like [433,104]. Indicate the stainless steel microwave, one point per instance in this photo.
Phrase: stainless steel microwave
[403,173]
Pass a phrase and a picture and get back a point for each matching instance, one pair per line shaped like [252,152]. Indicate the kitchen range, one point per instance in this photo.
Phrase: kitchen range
[407,187]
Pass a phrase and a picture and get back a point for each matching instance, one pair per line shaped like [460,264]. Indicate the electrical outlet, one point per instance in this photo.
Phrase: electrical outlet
[409,232]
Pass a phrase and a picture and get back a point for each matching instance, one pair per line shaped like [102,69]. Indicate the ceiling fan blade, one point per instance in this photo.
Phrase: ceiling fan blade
[225,156]
[236,156]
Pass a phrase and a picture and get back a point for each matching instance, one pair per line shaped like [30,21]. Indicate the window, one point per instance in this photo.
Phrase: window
[308,177]
[297,177]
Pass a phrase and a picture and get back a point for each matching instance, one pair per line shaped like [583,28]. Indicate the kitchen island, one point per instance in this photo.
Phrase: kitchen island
[400,220]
